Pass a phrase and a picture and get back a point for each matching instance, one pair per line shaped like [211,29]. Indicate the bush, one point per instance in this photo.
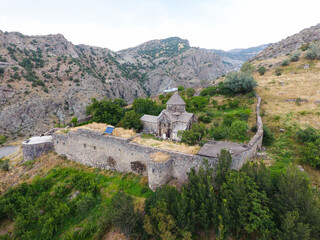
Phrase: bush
[295,57]
[146,106]
[262,70]
[4,164]
[236,83]
[209,91]
[307,135]
[190,92]
[180,88]
[131,120]
[194,135]
[3,139]
[268,136]
[313,51]
[247,68]
[233,104]
[278,71]
[204,119]
[238,130]
[197,103]
[285,63]
[120,102]
[311,154]
[304,47]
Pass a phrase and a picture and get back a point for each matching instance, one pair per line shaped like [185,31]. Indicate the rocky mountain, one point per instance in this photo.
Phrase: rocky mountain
[236,57]
[45,80]
[290,43]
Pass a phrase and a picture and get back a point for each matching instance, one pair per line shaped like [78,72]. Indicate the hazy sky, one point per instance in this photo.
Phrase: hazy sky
[219,24]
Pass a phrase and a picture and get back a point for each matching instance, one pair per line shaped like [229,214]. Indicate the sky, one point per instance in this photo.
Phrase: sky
[120,24]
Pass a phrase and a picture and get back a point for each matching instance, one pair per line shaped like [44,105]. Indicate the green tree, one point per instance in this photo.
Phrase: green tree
[74,121]
[105,111]
[311,154]
[122,213]
[160,223]
[294,193]
[243,206]
[223,166]
[194,135]
[292,229]
[238,130]
[3,139]
[130,120]
[196,103]
[236,83]
[146,106]
[180,88]
[121,102]
[190,92]
[247,68]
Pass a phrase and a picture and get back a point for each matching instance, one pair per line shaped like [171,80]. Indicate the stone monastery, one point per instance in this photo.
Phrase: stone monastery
[170,121]
[125,154]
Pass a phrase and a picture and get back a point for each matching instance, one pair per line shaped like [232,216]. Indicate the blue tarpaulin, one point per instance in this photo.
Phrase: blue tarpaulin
[109,130]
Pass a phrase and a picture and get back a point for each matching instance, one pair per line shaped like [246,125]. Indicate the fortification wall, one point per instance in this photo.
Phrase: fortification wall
[32,151]
[254,144]
[119,154]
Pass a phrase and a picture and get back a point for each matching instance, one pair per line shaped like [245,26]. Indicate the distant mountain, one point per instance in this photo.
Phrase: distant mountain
[236,57]
[46,79]
[290,43]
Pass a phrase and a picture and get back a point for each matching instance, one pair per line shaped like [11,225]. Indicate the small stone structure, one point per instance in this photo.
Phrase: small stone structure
[170,121]
[122,154]
[36,146]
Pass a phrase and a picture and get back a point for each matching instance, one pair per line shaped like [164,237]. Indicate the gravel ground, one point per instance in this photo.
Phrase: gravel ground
[6,151]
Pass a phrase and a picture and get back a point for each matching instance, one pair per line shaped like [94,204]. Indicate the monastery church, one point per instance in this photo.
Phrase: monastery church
[171,120]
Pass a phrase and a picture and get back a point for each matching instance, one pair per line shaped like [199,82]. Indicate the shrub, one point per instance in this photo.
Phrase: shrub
[313,51]
[233,104]
[190,92]
[120,102]
[197,103]
[3,139]
[268,136]
[45,89]
[285,63]
[307,135]
[4,164]
[180,88]
[209,91]
[236,83]
[130,120]
[204,119]
[74,121]
[262,70]
[219,132]
[194,135]
[311,154]
[295,57]
[304,47]
[247,68]
[278,71]
[1,71]
[238,130]
[254,129]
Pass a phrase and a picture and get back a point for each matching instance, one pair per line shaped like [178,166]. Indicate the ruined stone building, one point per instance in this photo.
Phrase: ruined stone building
[171,120]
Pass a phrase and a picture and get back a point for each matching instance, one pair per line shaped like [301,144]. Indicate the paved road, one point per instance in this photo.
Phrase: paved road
[5,151]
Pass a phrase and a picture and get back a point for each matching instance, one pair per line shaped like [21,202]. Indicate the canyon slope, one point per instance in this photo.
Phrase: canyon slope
[45,80]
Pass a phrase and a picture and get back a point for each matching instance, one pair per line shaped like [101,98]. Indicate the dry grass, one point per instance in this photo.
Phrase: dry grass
[160,157]
[113,235]
[173,146]
[101,127]
[295,82]
[20,173]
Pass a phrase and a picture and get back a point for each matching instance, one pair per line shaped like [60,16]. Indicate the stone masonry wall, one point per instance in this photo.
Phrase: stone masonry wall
[254,144]
[33,151]
[119,154]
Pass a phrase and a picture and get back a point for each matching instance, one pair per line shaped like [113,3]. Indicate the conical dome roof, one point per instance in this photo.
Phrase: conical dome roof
[176,100]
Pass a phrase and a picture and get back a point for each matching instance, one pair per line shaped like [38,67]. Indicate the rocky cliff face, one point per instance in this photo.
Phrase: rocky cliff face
[45,80]
[290,44]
